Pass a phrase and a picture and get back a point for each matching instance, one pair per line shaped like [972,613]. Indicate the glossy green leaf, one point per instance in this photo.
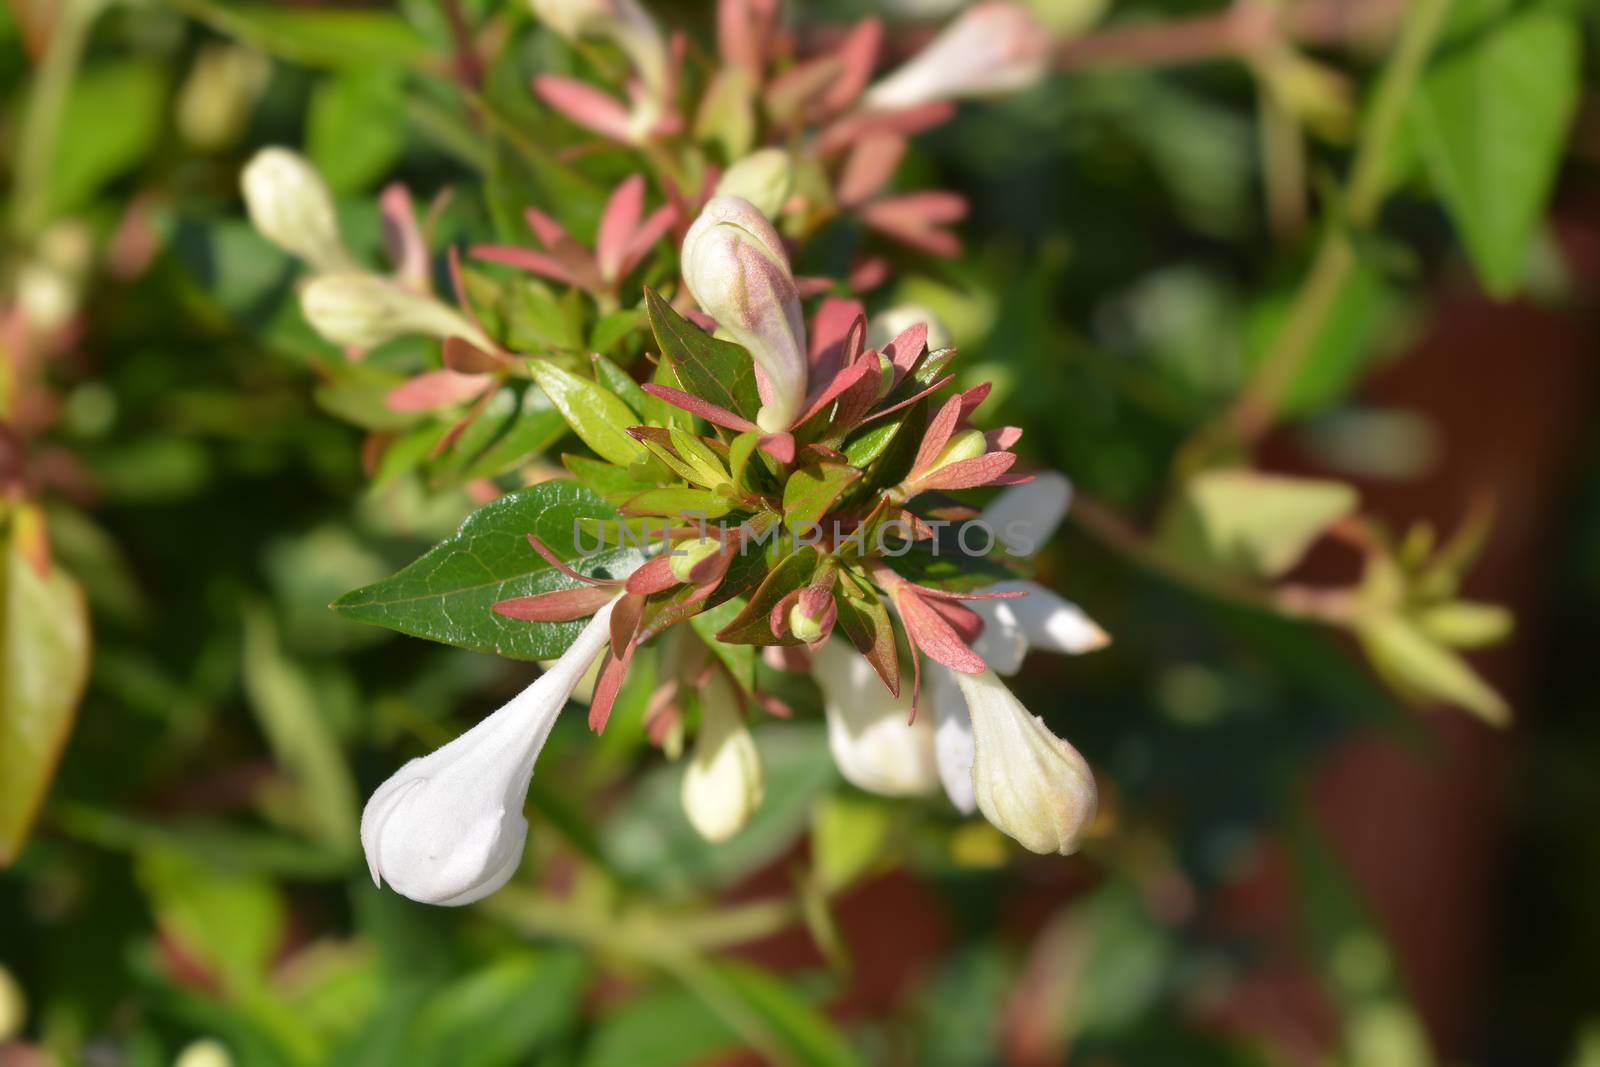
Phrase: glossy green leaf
[356,129]
[739,659]
[596,414]
[447,594]
[611,483]
[752,626]
[811,492]
[1491,122]
[713,370]
[114,113]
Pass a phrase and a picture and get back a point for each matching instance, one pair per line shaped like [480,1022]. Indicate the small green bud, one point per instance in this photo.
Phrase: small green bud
[764,178]
[968,444]
[804,626]
[689,555]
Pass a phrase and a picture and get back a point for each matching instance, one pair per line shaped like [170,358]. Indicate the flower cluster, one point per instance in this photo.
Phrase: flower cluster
[793,473]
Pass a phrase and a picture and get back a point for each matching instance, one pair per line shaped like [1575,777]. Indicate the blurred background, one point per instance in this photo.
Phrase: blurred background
[1302,868]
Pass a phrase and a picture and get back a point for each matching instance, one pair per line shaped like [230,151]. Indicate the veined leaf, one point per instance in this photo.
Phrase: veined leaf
[447,594]
[595,413]
[752,626]
[714,370]
[811,491]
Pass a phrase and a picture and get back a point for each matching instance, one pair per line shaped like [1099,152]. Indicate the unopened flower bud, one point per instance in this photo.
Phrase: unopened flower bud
[1028,782]
[723,783]
[223,86]
[805,627]
[365,310]
[875,743]
[735,265]
[765,178]
[992,48]
[207,1052]
[291,206]
[689,555]
[965,445]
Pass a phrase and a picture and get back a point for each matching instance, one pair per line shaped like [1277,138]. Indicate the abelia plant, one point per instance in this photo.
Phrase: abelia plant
[787,494]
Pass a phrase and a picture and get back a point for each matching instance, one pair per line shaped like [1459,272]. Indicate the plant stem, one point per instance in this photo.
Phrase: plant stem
[1257,406]
[41,121]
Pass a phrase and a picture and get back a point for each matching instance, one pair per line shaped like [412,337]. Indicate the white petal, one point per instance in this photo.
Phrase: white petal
[723,784]
[1025,516]
[992,48]
[872,741]
[1028,782]
[953,744]
[447,828]
[1042,620]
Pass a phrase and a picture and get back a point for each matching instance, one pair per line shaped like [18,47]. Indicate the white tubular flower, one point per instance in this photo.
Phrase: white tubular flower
[723,784]
[13,1006]
[874,745]
[1024,517]
[448,827]
[764,177]
[365,310]
[1028,782]
[290,205]
[735,265]
[624,22]
[992,48]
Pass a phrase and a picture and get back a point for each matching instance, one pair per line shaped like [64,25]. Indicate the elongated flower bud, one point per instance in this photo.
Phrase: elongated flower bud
[448,827]
[291,206]
[13,1006]
[873,741]
[992,48]
[735,265]
[723,784]
[365,310]
[1027,781]
[765,178]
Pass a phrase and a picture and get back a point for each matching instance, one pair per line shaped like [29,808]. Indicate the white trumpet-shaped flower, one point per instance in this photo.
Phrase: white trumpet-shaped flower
[1028,782]
[873,741]
[1023,518]
[723,784]
[447,828]
[625,22]
[736,267]
[290,205]
[991,48]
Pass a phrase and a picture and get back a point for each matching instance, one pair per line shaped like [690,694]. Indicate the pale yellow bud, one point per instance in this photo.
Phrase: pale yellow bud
[217,97]
[290,205]
[689,555]
[1028,782]
[364,310]
[723,783]
[765,178]
[204,1053]
[962,446]
[804,626]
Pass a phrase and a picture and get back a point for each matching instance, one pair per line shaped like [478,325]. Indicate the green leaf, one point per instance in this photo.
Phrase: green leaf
[501,1014]
[230,923]
[1465,624]
[112,116]
[285,703]
[596,414]
[664,1028]
[44,662]
[811,491]
[713,370]
[1491,123]
[447,594]
[329,37]
[649,839]
[609,482]
[783,1027]
[864,618]
[526,429]
[849,832]
[1421,668]
[613,328]
[739,659]
[678,501]
[1251,523]
[621,382]
[356,129]
[752,626]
